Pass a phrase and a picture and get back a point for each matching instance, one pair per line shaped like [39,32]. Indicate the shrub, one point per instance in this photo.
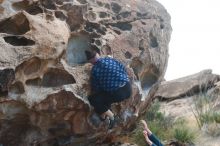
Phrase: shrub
[163,127]
[204,109]
[216,117]
[158,123]
[184,134]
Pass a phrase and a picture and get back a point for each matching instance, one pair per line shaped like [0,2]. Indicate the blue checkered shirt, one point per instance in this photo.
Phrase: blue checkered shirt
[108,74]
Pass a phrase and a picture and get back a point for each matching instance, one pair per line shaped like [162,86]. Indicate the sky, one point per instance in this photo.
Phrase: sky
[195,39]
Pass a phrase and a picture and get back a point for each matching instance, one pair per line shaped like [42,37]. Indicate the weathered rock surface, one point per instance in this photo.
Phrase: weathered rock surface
[187,86]
[42,42]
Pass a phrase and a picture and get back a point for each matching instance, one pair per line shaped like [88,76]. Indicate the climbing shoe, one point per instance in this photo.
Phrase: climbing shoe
[112,123]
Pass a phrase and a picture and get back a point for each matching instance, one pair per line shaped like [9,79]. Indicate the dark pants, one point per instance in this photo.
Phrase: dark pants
[155,140]
[101,101]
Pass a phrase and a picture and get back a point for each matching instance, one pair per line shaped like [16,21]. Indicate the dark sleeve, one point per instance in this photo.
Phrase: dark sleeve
[155,140]
[94,82]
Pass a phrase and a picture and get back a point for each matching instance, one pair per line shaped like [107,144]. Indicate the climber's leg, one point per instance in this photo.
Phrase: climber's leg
[120,94]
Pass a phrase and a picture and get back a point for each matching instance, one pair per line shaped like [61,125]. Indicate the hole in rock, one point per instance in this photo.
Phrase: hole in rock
[56,77]
[22,5]
[49,17]
[34,82]
[137,67]
[66,7]
[153,40]
[118,17]
[95,48]
[94,35]
[32,66]
[128,55]
[142,22]
[103,14]
[98,42]
[91,16]
[19,41]
[125,26]
[16,89]
[91,27]
[34,9]
[92,40]
[117,31]
[76,49]
[113,18]
[59,2]
[143,44]
[101,30]
[7,76]
[60,15]
[49,4]
[147,80]
[142,15]
[82,1]
[16,25]
[115,7]
[107,6]
[101,4]
[125,14]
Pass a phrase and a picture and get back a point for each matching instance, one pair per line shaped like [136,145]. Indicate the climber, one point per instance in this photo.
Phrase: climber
[150,138]
[109,84]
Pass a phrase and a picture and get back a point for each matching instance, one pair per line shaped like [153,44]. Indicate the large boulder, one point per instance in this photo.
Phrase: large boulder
[42,44]
[187,86]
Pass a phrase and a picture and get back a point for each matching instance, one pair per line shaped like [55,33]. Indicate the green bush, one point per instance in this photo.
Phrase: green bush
[158,123]
[204,109]
[216,116]
[207,117]
[184,134]
[163,127]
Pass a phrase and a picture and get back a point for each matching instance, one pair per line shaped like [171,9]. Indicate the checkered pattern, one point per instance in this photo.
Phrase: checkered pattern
[108,74]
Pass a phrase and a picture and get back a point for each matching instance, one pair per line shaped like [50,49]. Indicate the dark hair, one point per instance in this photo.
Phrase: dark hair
[90,54]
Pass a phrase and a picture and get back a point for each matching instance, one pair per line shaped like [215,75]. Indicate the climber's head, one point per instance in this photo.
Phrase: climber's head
[92,56]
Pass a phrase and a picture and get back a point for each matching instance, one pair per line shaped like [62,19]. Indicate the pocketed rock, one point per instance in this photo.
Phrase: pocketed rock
[43,43]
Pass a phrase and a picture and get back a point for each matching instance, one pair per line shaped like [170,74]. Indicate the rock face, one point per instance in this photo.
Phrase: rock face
[187,86]
[44,77]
